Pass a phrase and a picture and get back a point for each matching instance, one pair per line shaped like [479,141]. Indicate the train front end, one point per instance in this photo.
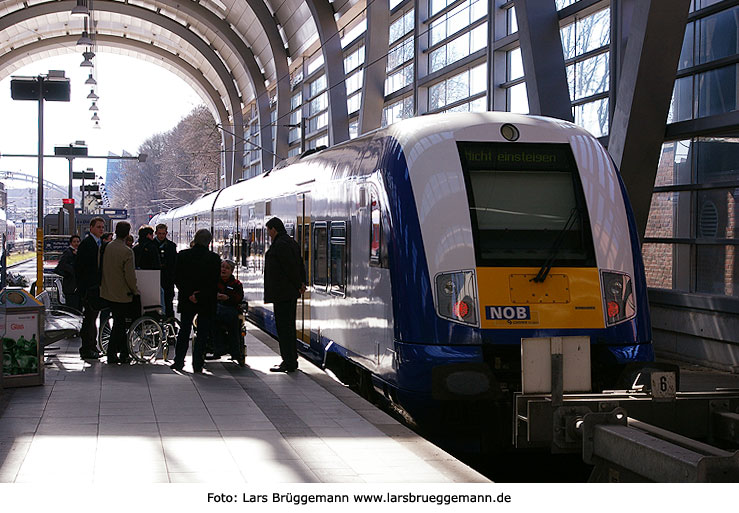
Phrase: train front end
[527,233]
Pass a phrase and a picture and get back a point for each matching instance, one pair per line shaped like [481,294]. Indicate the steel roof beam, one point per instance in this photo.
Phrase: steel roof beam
[375,67]
[643,97]
[543,59]
[247,61]
[282,72]
[333,61]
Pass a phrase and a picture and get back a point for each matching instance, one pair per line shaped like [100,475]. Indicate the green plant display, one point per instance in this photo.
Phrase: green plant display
[20,356]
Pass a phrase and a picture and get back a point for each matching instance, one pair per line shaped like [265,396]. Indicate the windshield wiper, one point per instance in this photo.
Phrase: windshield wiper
[547,266]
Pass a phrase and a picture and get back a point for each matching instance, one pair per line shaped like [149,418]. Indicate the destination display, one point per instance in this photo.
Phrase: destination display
[487,156]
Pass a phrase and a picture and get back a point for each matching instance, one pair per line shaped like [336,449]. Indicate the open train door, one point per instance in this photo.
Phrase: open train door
[303,237]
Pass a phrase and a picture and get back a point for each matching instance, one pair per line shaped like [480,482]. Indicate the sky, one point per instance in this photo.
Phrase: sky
[137,100]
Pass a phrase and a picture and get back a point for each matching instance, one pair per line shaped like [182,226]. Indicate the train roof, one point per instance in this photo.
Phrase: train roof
[412,134]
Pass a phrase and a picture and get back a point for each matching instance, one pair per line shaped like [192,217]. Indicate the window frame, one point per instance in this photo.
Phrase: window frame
[317,227]
[338,289]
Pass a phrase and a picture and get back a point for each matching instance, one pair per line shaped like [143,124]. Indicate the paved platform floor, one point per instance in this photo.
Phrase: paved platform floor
[94,423]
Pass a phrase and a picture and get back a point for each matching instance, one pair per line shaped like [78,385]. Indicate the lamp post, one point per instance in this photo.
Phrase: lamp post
[51,87]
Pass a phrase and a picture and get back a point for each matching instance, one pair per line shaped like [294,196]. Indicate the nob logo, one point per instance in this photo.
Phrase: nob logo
[507,313]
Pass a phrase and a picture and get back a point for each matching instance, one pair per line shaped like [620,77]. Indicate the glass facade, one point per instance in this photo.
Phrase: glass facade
[691,239]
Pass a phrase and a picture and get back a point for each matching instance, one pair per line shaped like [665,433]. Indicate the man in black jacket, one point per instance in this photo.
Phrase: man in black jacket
[284,282]
[167,259]
[87,271]
[146,251]
[197,272]
[65,269]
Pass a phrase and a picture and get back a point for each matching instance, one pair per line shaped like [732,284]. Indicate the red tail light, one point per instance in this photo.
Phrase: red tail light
[613,309]
[461,309]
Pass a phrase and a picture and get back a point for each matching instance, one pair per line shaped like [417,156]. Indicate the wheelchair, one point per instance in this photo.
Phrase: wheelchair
[222,332]
[151,334]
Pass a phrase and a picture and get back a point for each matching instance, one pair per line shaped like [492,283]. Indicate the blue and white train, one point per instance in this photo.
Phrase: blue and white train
[433,246]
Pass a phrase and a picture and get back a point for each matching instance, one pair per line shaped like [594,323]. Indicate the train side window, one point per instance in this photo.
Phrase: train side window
[379,230]
[338,261]
[320,255]
[375,230]
[244,251]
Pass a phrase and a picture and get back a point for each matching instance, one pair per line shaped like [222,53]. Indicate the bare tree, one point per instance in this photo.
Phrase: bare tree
[181,165]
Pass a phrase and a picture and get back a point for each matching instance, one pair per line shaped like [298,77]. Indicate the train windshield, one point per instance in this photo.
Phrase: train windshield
[526,205]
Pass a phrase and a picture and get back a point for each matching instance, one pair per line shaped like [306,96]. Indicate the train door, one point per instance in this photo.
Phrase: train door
[303,237]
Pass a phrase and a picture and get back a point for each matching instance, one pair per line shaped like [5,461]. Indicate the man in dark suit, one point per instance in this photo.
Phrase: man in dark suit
[167,259]
[196,275]
[87,271]
[284,283]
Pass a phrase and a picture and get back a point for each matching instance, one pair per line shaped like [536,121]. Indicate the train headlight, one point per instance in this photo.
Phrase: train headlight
[509,132]
[456,296]
[618,297]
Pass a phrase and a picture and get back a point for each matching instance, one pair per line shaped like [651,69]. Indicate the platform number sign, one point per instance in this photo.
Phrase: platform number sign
[663,386]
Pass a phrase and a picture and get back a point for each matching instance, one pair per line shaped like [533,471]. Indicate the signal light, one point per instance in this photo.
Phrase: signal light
[461,309]
[613,309]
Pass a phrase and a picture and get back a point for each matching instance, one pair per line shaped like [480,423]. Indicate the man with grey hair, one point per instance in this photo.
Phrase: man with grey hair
[197,272]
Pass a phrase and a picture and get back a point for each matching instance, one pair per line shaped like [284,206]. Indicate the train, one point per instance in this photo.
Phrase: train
[434,246]
[3,247]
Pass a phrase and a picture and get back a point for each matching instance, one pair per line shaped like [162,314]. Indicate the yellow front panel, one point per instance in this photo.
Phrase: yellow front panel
[569,298]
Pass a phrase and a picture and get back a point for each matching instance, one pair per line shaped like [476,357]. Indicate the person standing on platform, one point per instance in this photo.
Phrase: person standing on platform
[197,272]
[87,271]
[118,287]
[146,251]
[284,283]
[167,259]
[65,269]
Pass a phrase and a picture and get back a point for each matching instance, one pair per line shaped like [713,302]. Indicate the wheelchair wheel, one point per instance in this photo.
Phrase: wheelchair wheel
[145,337]
[106,327]
[171,327]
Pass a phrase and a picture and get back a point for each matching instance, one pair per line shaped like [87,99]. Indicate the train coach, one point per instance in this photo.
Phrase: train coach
[434,246]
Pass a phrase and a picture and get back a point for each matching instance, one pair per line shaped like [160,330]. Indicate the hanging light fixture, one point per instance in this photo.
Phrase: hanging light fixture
[81,8]
[95,117]
[92,95]
[93,106]
[97,125]
[87,63]
[91,81]
[85,39]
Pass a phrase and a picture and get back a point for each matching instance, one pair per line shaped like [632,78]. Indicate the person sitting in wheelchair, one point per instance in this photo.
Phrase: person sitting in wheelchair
[228,325]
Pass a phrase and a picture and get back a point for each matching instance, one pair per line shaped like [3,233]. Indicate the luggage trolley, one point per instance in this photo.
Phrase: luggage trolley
[150,334]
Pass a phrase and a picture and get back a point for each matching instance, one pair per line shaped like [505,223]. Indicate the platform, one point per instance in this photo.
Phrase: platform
[99,424]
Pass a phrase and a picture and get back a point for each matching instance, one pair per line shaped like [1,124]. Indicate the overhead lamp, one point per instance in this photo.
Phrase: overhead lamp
[93,106]
[92,95]
[81,8]
[87,63]
[95,117]
[91,81]
[85,39]
[97,125]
